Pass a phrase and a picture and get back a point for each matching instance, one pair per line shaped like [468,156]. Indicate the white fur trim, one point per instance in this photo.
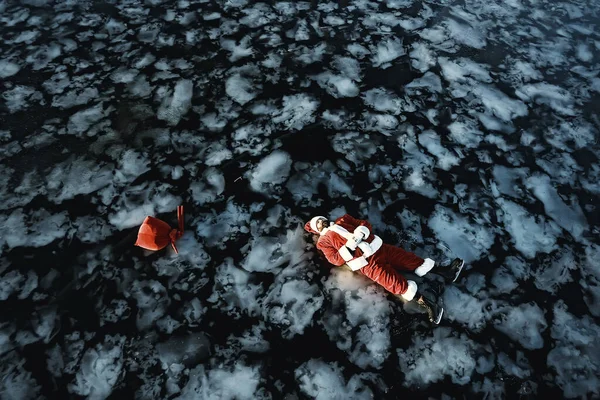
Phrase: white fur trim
[357,263]
[313,222]
[427,265]
[362,231]
[369,249]
[345,253]
[340,230]
[410,291]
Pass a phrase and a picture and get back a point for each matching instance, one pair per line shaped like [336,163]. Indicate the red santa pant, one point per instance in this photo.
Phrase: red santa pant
[385,265]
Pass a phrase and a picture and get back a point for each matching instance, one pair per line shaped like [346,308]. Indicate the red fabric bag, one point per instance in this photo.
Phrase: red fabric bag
[156,234]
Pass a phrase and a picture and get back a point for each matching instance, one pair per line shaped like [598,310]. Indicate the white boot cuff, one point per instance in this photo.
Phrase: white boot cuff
[411,291]
[427,265]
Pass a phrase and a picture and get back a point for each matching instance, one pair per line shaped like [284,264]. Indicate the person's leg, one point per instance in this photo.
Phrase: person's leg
[388,277]
[405,260]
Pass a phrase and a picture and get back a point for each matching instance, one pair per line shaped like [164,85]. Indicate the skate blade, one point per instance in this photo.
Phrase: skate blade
[439,318]
[459,271]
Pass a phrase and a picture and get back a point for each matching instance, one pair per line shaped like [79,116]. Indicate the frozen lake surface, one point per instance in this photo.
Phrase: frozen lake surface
[457,128]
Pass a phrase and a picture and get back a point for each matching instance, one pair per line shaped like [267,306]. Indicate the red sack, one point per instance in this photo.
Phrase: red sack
[155,234]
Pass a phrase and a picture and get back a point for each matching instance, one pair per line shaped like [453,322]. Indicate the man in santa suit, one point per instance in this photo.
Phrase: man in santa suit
[350,241]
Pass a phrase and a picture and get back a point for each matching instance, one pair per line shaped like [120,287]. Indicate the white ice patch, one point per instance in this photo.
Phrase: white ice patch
[362,329]
[531,234]
[238,381]
[272,170]
[100,369]
[37,228]
[240,89]
[524,324]
[570,218]
[75,98]
[336,85]
[322,380]
[442,353]
[383,101]
[429,81]
[473,310]
[431,141]
[44,55]
[387,50]
[174,107]
[555,97]
[574,356]
[77,176]
[422,58]
[358,50]
[81,122]
[19,97]
[298,111]
[467,240]
[8,68]
[466,132]
[355,147]
[244,49]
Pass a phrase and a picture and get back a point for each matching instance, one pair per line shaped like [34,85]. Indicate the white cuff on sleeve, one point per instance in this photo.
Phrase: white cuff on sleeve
[362,231]
[424,268]
[411,291]
[345,253]
[357,263]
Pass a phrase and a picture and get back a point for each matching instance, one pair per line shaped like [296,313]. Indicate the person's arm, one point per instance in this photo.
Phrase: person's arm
[331,253]
[357,222]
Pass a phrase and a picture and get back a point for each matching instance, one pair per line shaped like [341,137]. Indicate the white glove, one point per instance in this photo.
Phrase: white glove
[362,232]
[352,243]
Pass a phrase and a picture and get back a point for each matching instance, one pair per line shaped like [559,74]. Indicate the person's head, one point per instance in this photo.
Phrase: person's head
[317,225]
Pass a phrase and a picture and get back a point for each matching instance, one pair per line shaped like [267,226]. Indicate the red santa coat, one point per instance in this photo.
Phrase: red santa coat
[383,266]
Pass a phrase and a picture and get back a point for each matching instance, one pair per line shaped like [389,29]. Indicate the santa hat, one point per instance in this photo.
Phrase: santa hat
[311,226]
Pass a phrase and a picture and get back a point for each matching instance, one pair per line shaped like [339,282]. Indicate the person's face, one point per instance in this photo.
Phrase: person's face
[322,224]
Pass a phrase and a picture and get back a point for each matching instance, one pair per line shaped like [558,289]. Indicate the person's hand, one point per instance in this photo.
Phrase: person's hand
[361,232]
[352,243]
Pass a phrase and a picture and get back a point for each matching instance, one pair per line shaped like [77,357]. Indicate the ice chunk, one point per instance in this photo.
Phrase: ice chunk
[292,304]
[75,98]
[77,176]
[421,57]
[44,55]
[238,381]
[8,68]
[570,218]
[472,310]
[442,353]
[383,101]
[574,356]
[37,228]
[530,234]
[272,170]
[386,51]
[174,107]
[555,97]
[358,50]
[431,141]
[322,380]
[358,318]
[298,111]
[244,49]
[524,324]
[100,369]
[429,81]
[81,122]
[469,241]
[17,383]
[240,89]
[16,99]
[337,86]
